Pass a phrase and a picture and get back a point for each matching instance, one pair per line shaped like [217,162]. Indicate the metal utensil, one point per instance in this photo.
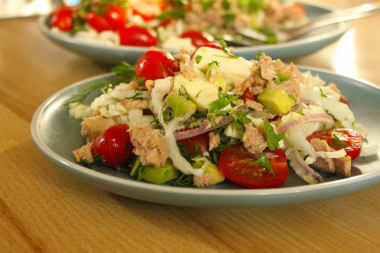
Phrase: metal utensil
[251,37]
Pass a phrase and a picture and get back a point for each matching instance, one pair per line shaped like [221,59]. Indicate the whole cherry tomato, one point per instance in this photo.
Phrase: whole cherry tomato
[237,165]
[156,65]
[62,18]
[197,143]
[136,36]
[116,16]
[197,38]
[338,138]
[114,145]
[99,23]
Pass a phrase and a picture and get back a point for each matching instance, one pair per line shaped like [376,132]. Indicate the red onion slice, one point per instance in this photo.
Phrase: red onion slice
[301,168]
[308,118]
[203,128]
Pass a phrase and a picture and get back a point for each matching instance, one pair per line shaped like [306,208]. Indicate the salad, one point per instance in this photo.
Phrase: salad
[173,24]
[204,116]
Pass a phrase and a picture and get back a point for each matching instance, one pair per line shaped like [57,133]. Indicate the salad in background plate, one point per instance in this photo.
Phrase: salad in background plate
[172,24]
[204,116]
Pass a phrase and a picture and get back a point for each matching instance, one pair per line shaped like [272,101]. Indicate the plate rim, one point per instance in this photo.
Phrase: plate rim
[82,172]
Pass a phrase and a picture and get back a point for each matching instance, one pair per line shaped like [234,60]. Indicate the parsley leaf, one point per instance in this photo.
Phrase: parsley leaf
[337,143]
[240,119]
[280,78]
[198,58]
[271,137]
[264,162]
[322,94]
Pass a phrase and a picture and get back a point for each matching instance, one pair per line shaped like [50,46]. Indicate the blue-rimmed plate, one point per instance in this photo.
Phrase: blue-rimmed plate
[56,135]
[309,43]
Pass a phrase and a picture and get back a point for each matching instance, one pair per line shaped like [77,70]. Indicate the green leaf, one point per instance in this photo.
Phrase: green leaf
[322,94]
[280,78]
[125,72]
[264,162]
[240,119]
[85,91]
[183,180]
[198,58]
[271,137]
[337,143]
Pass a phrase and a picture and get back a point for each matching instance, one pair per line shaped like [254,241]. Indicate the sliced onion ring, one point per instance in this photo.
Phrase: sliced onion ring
[308,118]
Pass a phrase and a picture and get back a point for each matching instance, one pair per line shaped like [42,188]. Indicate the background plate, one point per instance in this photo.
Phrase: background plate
[56,135]
[309,43]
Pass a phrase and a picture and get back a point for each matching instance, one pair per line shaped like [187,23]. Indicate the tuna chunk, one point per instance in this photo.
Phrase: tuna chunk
[93,126]
[267,68]
[214,140]
[84,153]
[149,145]
[253,140]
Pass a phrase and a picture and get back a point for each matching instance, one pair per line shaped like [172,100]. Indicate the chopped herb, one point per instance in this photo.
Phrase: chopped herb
[120,168]
[280,78]
[259,55]
[293,98]
[322,94]
[198,58]
[229,17]
[207,4]
[140,173]
[225,49]
[99,159]
[239,119]
[78,25]
[252,5]
[198,94]
[222,102]
[264,162]
[167,114]
[85,91]
[176,14]
[271,36]
[271,137]
[183,180]
[184,151]
[337,143]
[212,120]
[125,72]
[196,123]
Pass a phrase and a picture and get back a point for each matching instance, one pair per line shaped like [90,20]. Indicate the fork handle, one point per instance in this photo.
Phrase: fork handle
[361,11]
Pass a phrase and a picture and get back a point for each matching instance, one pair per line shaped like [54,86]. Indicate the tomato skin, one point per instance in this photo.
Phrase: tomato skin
[202,140]
[156,65]
[97,22]
[344,101]
[62,18]
[234,163]
[197,38]
[212,45]
[116,16]
[114,145]
[136,36]
[352,138]
[299,7]
[248,96]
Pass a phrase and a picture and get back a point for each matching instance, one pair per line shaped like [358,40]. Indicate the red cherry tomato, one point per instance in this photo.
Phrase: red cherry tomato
[136,36]
[343,100]
[248,96]
[200,140]
[299,7]
[235,164]
[334,138]
[116,16]
[114,145]
[97,22]
[156,65]
[62,18]
[212,45]
[197,38]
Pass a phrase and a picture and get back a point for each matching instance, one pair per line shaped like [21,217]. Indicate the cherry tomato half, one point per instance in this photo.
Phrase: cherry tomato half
[114,145]
[99,23]
[334,137]
[156,65]
[197,38]
[62,18]
[136,36]
[116,16]
[200,141]
[235,164]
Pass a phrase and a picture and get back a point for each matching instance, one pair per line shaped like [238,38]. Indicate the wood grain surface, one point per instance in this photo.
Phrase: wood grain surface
[43,209]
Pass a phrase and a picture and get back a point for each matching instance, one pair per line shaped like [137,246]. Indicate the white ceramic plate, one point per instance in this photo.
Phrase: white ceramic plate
[309,43]
[56,135]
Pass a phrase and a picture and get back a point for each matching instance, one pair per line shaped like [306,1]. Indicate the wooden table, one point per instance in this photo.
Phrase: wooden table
[43,209]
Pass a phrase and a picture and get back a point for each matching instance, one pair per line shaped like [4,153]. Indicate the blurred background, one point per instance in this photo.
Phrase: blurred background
[26,8]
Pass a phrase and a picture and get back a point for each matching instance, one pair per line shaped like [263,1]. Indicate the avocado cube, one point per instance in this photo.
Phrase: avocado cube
[180,105]
[218,177]
[276,101]
[162,174]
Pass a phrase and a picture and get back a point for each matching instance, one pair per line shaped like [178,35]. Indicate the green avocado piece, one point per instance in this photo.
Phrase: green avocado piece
[276,101]
[180,105]
[218,177]
[162,174]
